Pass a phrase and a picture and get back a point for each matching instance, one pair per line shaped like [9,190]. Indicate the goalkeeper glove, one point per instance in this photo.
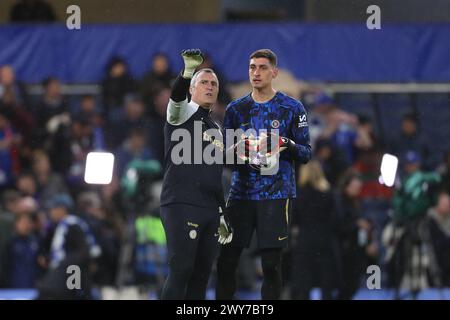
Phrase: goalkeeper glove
[286,143]
[192,59]
[281,144]
[225,230]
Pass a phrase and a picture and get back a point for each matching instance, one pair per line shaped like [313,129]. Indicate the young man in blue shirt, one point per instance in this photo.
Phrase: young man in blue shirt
[260,201]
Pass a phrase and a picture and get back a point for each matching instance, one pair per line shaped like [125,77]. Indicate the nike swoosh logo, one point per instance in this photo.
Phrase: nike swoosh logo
[245,124]
[282,238]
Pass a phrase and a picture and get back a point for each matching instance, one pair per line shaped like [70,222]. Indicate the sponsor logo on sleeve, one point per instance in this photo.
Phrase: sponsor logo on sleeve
[302,122]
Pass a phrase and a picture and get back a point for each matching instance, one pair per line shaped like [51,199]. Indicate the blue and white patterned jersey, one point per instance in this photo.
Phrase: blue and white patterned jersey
[289,117]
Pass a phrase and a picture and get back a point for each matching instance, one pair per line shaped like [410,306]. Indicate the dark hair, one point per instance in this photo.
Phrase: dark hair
[21,216]
[139,132]
[411,116]
[82,119]
[26,174]
[265,53]
[87,96]
[162,55]
[364,119]
[323,143]
[346,178]
[115,61]
[47,81]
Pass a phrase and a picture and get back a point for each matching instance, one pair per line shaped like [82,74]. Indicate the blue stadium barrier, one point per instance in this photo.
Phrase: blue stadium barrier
[18,294]
[324,52]
[385,294]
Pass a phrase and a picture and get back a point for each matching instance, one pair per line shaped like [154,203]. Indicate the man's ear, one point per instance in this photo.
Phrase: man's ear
[275,72]
[191,90]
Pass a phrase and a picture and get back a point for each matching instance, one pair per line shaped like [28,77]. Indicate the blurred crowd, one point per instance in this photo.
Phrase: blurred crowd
[343,220]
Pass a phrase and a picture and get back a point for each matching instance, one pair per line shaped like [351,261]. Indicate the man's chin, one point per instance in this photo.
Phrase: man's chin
[210,102]
[207,104]
[258,85]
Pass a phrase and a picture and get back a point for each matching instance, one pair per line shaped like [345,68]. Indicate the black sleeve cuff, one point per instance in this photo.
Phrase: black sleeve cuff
[180,89]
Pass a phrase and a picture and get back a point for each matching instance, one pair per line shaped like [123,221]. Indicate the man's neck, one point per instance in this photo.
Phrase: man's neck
[263,94]
[206,107]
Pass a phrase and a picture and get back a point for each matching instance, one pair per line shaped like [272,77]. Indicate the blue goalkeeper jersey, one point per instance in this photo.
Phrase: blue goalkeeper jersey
[287,115]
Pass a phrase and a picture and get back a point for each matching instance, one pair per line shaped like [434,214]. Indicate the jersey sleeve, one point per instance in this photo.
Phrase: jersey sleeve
[228,123]
[178,110]
[300,134]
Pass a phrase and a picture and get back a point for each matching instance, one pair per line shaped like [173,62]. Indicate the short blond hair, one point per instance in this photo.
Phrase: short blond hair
[195,76]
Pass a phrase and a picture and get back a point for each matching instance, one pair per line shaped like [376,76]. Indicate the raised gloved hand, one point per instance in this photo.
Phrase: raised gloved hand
[225,230]
[192,59]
